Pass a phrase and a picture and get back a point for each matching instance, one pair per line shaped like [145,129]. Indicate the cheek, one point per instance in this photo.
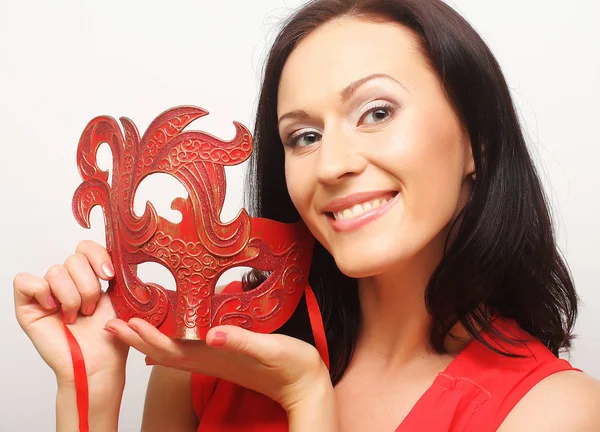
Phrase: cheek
[437,177]
[426,154]
[298,186]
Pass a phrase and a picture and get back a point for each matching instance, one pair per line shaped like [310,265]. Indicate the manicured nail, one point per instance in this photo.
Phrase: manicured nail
[52,302]
[111,331]
[90,309]
[218,339]
[108,269]
[68,318]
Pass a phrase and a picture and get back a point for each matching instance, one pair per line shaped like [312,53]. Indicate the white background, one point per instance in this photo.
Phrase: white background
[65,61]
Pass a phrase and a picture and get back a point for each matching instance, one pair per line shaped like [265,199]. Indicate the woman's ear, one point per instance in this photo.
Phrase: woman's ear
[470,167]
[470,171]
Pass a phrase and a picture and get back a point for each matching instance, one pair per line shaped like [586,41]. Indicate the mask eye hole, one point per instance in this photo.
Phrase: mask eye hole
[151,272]
[238,273]
[230,275]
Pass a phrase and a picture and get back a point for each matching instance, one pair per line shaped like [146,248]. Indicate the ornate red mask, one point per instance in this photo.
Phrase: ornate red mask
[199,248]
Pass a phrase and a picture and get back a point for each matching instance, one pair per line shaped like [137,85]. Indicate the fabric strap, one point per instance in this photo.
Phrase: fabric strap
[316,324]
[80,378]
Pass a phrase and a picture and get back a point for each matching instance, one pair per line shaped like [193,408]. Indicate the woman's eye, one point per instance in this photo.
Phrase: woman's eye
[302,139]
[378,114]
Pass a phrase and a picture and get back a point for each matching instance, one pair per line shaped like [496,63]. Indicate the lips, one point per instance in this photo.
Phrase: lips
[354,222]
[349,201]
[359,209]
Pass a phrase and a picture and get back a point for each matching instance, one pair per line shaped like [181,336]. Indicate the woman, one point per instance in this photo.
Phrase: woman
[387,126]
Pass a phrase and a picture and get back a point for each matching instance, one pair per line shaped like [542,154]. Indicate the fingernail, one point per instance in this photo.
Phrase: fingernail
[90,309]
[52,302]
[111,331]
[218,339]
[68,318]
[108,269]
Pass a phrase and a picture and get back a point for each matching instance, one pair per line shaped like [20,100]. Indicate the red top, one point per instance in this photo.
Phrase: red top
[474,393]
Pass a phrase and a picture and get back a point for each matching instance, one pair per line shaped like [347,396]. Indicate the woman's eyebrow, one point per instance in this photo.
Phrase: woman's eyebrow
[348,91]
[345,94]
[297,114]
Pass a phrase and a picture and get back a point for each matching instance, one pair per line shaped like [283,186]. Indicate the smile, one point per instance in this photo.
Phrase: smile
[354,217]
[359,209]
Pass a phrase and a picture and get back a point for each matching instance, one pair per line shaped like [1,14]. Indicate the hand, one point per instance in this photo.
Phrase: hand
[281,367]
[71,288]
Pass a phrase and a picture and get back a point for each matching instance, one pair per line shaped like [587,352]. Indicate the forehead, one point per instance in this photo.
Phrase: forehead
[342,51]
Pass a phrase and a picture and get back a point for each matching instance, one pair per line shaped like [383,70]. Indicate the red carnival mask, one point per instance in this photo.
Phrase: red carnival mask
[199,248]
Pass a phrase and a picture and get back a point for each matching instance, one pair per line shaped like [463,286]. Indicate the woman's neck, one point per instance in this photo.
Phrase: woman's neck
[395,324]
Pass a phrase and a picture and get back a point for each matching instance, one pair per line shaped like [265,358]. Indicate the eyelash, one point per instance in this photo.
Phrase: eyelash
[292,140]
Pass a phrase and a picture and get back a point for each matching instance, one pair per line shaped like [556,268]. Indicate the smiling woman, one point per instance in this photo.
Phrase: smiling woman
[404,156]
[387,127]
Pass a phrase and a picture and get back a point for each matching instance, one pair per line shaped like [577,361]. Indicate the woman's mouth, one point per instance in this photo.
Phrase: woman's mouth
[359,214]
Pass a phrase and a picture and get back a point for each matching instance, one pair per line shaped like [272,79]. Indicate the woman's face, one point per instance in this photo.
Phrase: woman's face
[376,161]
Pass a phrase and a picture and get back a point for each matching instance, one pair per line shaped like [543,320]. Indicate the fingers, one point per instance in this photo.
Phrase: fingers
[98,258]
[264,348]
[165,350]
[124,332]
[147,339]
[28,287]
[190,355]
[152,336]
[65,291]
[74,285]
[85,280]
[271,350]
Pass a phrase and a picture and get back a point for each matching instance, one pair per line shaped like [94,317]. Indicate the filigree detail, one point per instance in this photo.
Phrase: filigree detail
[198,249]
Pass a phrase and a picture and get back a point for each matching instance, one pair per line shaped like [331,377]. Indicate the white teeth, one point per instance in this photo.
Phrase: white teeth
[359,209]
[356,209]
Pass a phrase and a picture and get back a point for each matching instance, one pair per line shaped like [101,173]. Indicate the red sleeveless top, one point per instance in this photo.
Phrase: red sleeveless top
[474,393]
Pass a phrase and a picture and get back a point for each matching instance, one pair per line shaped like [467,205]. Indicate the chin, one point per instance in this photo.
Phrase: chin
[382,254]
[362,265]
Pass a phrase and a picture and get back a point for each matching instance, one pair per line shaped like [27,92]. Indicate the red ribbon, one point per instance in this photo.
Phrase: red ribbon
[80,378]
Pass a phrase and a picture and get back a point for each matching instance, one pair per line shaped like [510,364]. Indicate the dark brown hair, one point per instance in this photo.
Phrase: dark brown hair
[503,255]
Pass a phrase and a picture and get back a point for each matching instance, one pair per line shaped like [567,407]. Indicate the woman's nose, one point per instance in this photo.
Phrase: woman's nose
[338,157]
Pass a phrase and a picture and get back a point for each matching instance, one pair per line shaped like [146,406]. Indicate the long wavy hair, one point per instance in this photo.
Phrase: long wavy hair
[503,256]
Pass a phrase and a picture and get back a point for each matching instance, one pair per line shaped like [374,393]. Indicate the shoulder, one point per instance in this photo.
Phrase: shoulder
[564,401]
